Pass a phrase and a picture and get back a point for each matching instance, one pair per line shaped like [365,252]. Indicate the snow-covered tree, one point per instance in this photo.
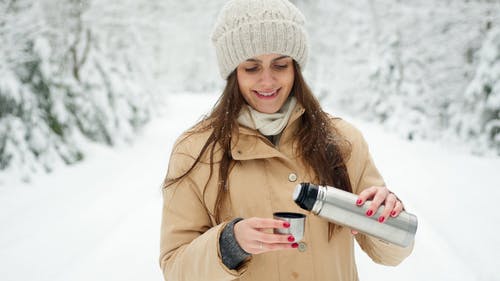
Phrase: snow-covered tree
[75,74]
[404,64]
[477,117]
[77,70]
[21,138]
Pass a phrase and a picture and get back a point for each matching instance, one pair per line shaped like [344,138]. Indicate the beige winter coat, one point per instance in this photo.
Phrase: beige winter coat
[261,183]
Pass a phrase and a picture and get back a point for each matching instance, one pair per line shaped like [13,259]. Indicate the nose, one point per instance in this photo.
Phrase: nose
[267,77]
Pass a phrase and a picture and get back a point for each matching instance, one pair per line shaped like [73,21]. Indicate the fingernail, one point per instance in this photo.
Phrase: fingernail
[286,224]
[369,213]
[295,245]
[381,219]
[393,213]
[359,202]
[291,239]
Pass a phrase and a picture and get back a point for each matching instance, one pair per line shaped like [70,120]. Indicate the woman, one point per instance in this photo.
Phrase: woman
[229,173]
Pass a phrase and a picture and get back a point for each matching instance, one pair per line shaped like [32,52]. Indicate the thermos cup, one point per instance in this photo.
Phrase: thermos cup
[340,207]
[296,221]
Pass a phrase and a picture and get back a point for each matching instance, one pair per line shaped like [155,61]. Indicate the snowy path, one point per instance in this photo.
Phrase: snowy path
[99,220]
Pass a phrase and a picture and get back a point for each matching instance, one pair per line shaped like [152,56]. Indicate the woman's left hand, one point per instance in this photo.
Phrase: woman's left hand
[380,195]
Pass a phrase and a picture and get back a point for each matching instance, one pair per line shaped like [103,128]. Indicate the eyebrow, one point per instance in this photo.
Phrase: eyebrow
[257,60]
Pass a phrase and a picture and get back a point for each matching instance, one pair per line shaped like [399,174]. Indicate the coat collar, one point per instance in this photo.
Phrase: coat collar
[248,144]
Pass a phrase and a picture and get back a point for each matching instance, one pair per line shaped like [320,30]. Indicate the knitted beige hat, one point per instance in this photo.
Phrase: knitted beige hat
[248,28]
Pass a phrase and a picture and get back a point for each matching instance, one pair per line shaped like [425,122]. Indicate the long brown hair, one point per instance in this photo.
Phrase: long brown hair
[320,145]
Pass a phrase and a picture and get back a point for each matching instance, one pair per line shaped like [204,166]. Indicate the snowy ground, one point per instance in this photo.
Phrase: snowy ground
[99,220]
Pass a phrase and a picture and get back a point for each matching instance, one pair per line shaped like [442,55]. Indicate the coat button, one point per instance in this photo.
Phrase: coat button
[302,246]
[292,177]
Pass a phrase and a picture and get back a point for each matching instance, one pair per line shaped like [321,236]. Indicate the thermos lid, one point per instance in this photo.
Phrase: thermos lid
[305,195]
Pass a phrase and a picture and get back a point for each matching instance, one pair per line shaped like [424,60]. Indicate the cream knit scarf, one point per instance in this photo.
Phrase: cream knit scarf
[268,124]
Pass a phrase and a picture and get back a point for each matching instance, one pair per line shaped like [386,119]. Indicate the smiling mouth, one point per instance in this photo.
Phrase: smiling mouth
[267,94]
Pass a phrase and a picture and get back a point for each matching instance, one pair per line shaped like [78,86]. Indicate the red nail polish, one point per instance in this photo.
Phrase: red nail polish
[286,224]
[359,202]
[291,239]
[295,245]
[393,213]
[381,219]
[369,213]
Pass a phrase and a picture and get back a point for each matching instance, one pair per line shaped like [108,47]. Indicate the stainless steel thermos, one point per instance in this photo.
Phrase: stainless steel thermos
[340,207]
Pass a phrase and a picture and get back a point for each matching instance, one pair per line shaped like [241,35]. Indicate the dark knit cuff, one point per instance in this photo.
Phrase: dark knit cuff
[231,253]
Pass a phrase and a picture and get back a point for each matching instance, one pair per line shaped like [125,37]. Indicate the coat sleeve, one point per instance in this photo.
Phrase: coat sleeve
[366,174]
[189,242]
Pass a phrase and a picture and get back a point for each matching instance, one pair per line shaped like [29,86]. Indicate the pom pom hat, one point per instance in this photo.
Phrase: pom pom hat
[248,28]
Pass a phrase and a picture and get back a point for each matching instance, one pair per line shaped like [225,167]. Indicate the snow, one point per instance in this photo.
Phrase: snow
[100,219]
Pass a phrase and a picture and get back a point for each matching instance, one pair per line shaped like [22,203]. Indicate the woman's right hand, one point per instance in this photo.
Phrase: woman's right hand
[251,235]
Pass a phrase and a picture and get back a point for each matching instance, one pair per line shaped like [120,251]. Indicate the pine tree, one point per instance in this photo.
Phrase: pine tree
[478,116]
[68,76]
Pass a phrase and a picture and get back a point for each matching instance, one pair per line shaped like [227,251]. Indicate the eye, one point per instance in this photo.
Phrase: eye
[251,69]
[281,66]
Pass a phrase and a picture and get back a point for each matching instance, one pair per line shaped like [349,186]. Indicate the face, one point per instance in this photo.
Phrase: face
[265,81]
